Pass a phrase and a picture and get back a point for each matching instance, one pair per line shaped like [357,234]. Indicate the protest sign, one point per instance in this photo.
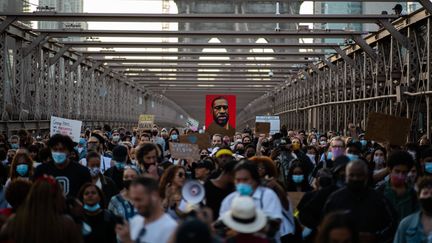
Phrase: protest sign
[273,120]
[262,128]
[387,128]
[71,128]
[184,151]
[202,140]
[145,122]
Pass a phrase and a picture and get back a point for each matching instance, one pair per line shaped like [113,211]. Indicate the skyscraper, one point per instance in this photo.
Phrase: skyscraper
[63,6]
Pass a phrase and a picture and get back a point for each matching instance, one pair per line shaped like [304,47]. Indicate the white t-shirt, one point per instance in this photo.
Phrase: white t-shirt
[159,231]
[104,165]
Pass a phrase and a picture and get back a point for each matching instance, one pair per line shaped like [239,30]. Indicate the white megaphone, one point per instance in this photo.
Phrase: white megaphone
[193,192]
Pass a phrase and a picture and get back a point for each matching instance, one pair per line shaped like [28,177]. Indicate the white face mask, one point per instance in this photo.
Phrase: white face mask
[412,153]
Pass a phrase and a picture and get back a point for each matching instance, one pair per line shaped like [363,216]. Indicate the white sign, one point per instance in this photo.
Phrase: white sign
[273,120]
[192,124]
[71,128]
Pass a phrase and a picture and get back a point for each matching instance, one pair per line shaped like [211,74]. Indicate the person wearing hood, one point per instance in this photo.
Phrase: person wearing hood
[120,157]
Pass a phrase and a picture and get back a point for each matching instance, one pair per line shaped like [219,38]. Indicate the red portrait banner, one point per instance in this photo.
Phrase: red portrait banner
[220,114]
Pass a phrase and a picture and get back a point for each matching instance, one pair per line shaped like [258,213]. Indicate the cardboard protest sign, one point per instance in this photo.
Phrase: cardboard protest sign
[184,151]
[71,128]
[202,140]
[386,128]
[273,120]
[262,127]
[145,122]
[220,114]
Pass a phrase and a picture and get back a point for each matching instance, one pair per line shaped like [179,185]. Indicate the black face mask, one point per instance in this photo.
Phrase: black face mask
[203,156]
[325,181]
[426,205]
[249,155]
[240,151]
[356,186]
[155,133]
[127,183]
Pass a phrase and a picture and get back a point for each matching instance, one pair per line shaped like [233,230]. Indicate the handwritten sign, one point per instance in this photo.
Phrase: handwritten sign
[71,128]
[273,120]
[184,151]
[145,122]
[262,127]
[192,124]
[202,140]
[386,128]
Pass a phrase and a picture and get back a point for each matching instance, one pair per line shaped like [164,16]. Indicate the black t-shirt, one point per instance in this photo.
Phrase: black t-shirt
[215,196]
[102,227]
[70,178]
[116,175]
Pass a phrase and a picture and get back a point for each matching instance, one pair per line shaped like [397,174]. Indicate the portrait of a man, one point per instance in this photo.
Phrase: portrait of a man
[220,114]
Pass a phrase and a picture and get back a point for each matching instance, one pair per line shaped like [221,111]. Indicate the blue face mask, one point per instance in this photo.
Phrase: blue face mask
[428,167]
[22,170]
[93,208]
[15,146]
[120,165]
[58,157]
[329,155]
[352,157]
[363,142]
[298,178]
[174,137]
[244,189]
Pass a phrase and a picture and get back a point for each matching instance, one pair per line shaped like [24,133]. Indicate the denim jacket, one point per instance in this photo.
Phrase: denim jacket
[410,230]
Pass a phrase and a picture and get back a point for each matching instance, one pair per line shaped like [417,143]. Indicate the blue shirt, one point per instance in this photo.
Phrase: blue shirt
[410,230]
[121,207]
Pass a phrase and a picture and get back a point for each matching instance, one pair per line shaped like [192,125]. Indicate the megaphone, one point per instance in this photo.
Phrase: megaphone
[193,192]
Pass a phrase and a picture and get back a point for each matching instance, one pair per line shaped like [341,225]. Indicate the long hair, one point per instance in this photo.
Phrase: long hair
[21,153]
[167,178]
[102,202]
[39,219]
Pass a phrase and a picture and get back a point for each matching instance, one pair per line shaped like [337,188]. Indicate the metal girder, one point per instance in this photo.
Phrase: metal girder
[275,73]
[403,40]
[199,79]
[94,67]
[6,22]
[206,90]
[203,18]
[206,61]
[106,72]
[199,45]
[347,59]
[188,34]
[315,68]
[242,67]
[207,54]
[329,64]
[241,84]
[57,56]
[213,76]
[365,47]
[35,42]
[426,4]
[77,62]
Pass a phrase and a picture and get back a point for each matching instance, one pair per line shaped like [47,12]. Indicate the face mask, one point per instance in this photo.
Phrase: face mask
[311,157]
[265,144]
[120,165]
[314,141]
[363,142]
[398,180]
[426,205]
[154,133]
[250,154]
[411,178]
[240,151]
[126,184]
[80,149]
[356,186]
[244,189]
[92,146]
[174,137]
[22,170]
[94,171]
[352,157]
[325,181]
[116,138]
[298,178]
[428,167]
[15,146]
[295,146]
[378,160]
[203,156]
[58,157]
[337,152]
[93,208]
[323,143]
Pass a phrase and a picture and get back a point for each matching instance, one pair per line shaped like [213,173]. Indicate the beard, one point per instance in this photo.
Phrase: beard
[221,120]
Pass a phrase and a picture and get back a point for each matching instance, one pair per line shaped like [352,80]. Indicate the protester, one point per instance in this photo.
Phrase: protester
[21,167]
[146,156]
[119,159]
[100,220]
[121,204]
[152,224]
[338,227]
[16,194]
[104,183]
[70,175]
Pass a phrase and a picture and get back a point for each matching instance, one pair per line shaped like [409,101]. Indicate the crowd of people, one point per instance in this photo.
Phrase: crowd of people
[116,185]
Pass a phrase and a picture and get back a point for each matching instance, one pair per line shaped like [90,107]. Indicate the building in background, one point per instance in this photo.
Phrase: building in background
[63,6]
